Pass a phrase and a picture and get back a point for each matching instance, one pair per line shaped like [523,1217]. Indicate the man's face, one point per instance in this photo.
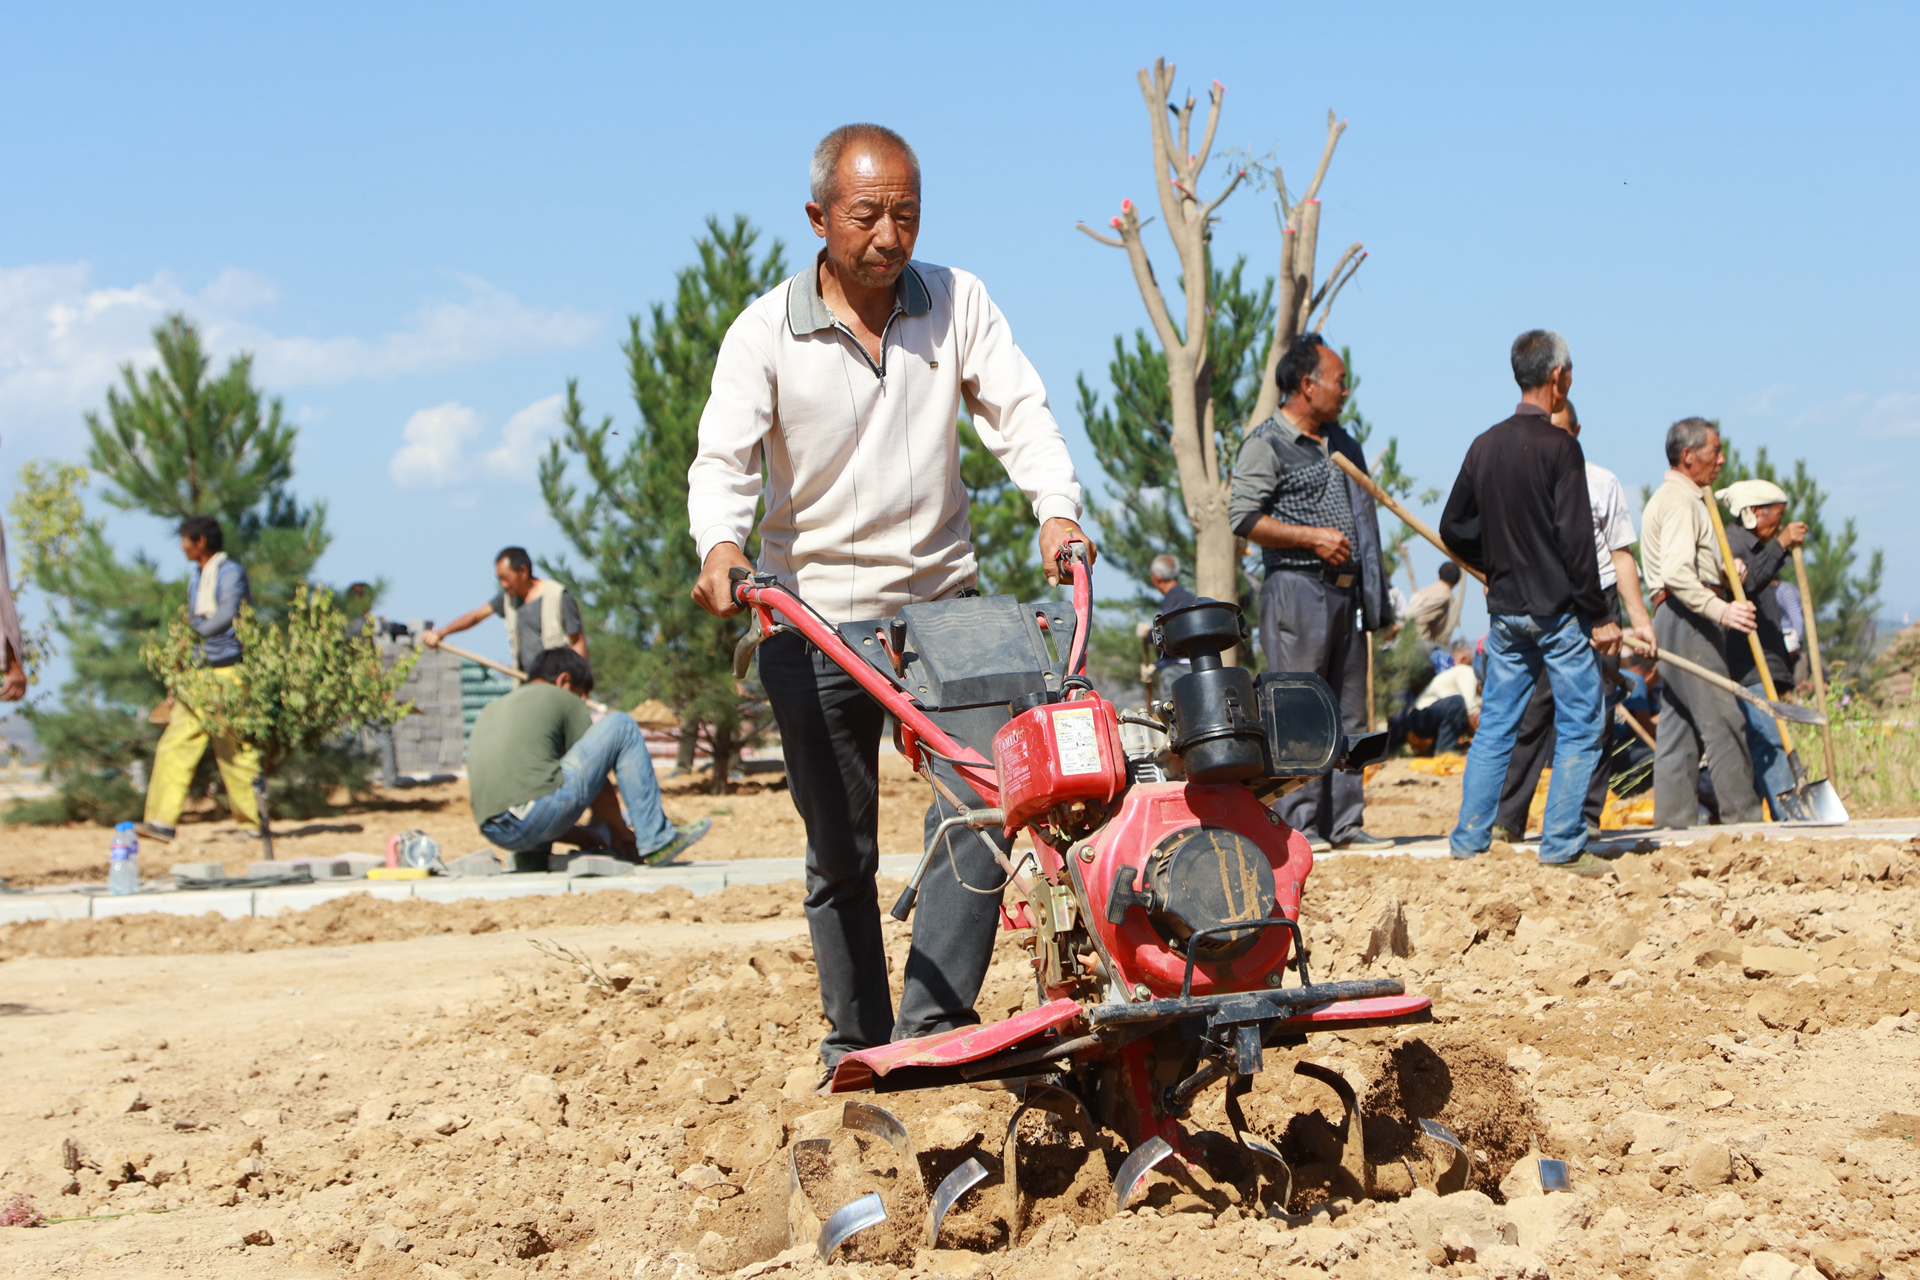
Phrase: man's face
[873,221]
[515,582]
[194,549]
[1563,419]
[1325,390]
[1703,463]
[1766,520]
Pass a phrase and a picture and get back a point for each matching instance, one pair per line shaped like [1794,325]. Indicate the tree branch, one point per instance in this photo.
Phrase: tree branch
[1206,210]
[1206,139]
[1333,275]
[1116,243]
[1334,130]
[1335,291]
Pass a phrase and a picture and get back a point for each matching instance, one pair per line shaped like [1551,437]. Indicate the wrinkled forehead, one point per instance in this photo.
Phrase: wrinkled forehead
[876,164]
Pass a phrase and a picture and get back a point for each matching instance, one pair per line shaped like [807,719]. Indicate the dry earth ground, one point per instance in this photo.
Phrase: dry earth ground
[1721,1040]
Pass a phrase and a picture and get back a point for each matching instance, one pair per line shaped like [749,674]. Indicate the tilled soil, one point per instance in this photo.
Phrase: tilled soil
[1720,1040]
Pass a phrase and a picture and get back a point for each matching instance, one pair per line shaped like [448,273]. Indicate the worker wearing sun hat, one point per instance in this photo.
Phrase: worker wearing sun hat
[1761,542]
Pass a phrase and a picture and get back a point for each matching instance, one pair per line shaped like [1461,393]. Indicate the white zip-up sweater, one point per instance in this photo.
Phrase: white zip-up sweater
[860,465]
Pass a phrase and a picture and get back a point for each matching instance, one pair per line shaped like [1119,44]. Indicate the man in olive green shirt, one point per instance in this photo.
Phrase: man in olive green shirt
[537,760]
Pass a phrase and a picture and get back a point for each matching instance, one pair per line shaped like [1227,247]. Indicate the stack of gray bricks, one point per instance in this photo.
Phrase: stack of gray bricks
[432,740]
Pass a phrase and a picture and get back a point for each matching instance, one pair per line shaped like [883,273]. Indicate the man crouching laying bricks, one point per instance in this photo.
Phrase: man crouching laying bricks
[839,390]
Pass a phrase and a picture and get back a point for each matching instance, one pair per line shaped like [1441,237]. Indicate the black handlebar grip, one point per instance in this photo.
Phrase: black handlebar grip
[903,906]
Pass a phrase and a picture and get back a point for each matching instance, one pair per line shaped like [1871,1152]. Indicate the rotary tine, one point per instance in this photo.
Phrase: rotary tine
[1260,1155]
[803,1227]
[1043,1097]
[1353,1157]
[1135,1168]
[858,1216]
[951,1188]
[882,1123]
[1459,1168]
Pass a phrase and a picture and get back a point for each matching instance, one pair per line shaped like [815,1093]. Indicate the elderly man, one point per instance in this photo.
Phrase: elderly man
[540,613]
[1620,580]
[1692,618]
[1761,542]
[1448,709]
[1163,575]
[1326,585]
[836,396]
[1520,513]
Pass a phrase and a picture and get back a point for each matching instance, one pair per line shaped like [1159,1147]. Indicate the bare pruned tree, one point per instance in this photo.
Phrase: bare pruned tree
[1303,308]
[1177,167]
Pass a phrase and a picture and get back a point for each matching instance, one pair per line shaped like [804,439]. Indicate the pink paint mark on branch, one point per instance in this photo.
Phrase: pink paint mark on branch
[1126,206]
[1114,222]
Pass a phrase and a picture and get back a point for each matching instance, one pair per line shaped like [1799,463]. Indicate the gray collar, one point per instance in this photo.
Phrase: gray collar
[808,312]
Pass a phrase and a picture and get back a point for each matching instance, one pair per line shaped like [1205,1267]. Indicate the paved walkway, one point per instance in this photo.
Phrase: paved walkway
[90,901]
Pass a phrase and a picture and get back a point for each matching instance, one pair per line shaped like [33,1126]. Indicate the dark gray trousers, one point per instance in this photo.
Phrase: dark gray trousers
[1697,719]
[1310,625]
[830,734]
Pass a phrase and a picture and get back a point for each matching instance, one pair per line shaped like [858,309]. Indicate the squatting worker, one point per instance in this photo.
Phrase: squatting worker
[1620,581]
[540,613]
[1761,541]
[836,397]
[216,588]
[1519,512]
[1448,709]
[1325,581]
[1692,618]
[537,758]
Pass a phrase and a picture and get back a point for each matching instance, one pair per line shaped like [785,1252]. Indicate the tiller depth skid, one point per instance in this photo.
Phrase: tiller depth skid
[1163,914]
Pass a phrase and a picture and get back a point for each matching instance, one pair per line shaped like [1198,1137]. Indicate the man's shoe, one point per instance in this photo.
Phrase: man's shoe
[1316,844]
[1501,833]
[684,838]
[1359,839]
[1462,855]
[1585,865]
[154,831]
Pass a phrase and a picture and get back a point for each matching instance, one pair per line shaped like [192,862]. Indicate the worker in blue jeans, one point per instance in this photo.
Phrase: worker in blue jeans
[1520,514]
[1519,649]
[537,760]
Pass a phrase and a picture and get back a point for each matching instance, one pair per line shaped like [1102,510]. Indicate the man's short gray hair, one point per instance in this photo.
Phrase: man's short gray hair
[1536,354]
[825,174]
[1688,433]
[1165,568]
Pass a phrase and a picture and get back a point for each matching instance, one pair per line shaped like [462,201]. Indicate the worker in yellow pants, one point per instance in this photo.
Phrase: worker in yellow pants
[178,755]
[216,588]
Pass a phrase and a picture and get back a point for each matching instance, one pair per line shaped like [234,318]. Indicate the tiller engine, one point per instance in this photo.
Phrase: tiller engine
[1162,895]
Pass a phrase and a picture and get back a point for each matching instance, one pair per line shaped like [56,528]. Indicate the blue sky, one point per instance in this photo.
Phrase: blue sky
[425,219]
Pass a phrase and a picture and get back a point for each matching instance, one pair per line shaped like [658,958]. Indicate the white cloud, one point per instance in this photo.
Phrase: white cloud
[433,454]
[434,451]
[64,337]
[1895,414]
[523,439]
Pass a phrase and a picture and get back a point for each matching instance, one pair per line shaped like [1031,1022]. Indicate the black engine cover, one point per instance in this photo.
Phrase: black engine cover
[1205,877]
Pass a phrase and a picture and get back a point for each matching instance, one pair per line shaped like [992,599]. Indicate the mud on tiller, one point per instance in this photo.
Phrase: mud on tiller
[1163,914]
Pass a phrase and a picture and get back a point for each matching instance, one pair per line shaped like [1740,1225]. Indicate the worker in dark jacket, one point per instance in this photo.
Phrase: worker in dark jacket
[1761,541]
[1519,513]
[1326,584]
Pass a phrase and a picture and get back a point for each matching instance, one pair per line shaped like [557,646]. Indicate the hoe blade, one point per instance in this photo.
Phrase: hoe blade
[1461,1167]
[882,1123]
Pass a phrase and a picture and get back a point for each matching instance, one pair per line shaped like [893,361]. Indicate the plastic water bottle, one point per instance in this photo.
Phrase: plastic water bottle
[123,868]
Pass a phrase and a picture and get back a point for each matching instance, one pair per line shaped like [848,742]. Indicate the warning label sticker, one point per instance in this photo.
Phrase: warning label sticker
[1074,736]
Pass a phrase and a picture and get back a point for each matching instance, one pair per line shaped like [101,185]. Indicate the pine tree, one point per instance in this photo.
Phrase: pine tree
[1005,534]
[628,520]
[174,443]
[1844,602]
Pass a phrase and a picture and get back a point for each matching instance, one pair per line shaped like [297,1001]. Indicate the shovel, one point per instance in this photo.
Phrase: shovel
[1815,802]
[1813,655]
